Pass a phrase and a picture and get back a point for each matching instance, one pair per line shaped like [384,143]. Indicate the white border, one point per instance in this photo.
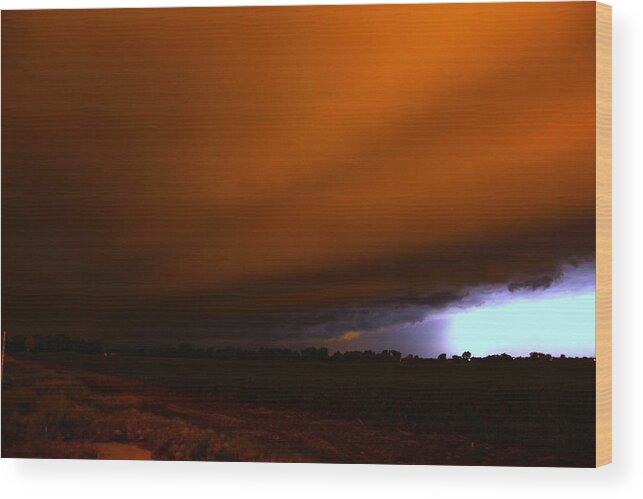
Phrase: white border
[68,479]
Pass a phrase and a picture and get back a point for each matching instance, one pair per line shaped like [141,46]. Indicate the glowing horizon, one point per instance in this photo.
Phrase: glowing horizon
[556,324]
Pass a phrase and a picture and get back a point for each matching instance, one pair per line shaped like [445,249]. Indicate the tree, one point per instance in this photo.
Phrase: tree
[466,355]
[442,357]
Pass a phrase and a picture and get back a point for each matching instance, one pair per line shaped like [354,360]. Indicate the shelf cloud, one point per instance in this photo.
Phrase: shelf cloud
[276,175]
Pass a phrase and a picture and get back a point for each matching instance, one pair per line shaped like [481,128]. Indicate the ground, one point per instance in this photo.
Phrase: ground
[518,413]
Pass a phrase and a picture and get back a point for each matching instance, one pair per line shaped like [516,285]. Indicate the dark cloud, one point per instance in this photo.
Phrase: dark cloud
[264,175]
[542,282]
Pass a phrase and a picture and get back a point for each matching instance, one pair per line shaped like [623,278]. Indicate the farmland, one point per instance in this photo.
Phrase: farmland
[70,405]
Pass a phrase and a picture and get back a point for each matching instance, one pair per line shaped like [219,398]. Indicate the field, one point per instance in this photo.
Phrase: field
[527,413]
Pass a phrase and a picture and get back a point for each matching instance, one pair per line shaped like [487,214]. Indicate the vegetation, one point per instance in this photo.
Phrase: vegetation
[61,399]
[49,413]
[64,343]
[543,407]
[53,343]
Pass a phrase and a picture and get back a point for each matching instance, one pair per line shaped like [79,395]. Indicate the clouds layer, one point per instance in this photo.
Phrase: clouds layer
[230,173]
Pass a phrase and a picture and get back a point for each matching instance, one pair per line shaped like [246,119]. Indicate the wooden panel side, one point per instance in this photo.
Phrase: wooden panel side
[603,234]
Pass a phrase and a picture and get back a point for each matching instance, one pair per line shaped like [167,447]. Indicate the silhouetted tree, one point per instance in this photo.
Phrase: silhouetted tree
[392,355]
[466,355]
[442,357]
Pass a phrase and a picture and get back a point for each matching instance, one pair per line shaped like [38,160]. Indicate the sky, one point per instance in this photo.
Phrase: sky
[355,177]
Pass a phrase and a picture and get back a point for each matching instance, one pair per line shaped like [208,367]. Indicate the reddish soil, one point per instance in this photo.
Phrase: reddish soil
[296,435]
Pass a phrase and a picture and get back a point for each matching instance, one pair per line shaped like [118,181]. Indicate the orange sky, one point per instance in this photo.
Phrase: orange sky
[242,160]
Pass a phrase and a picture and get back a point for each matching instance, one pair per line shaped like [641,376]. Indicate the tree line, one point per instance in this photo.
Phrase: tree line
[53,343]
[65,343]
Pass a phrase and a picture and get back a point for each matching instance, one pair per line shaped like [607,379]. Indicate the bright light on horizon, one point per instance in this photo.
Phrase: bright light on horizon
[560,323]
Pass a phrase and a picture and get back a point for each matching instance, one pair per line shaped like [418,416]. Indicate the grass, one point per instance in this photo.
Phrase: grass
[541,407]
[52,414]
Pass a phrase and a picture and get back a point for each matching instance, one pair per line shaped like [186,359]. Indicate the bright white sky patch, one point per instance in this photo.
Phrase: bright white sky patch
[557,320]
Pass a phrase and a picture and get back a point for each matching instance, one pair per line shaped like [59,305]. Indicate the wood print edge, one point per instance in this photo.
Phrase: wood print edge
[603,234]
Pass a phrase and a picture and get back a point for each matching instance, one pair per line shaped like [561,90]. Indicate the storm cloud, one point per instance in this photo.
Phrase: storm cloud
[280,175]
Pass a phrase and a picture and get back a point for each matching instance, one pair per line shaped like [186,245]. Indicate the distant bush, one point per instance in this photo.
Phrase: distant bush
[53,343]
